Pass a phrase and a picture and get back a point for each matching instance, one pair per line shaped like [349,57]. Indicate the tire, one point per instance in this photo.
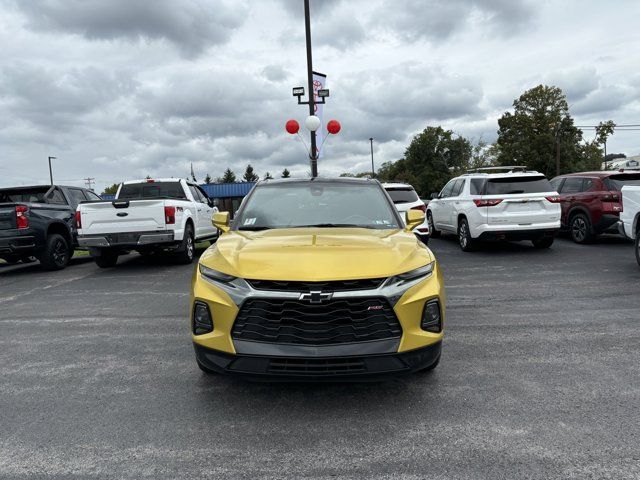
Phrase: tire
[187,249]
[638,247]
[467,243]
[542,243]
[106,259]
[580,228]
[433,233]
[206,370]
[57,253]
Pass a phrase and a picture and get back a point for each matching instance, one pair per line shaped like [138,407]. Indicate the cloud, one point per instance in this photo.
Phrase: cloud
[191,25]
[576,83]
[275,73]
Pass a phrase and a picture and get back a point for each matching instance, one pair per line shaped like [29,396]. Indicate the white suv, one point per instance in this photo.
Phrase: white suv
[512,205]
[405,198]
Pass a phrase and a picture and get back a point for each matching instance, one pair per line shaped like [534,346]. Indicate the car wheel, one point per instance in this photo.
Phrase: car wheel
[467,244]
[56,254]
[106,259]
[544,242]
[580,228]
[638,247]
[432,229]
[187,249]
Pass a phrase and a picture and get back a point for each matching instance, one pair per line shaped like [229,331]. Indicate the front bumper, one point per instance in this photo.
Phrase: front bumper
[319,369]
[133,239]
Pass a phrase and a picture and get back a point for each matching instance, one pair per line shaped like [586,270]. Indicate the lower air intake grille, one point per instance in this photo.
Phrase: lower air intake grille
[316,366]
[335,321]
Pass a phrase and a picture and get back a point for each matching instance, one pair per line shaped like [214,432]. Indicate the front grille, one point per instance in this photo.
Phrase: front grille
[328,286]
[332,322]
[316,366]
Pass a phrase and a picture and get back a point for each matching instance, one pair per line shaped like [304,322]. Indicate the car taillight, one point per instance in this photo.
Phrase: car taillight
[78,220]
[611,197]
[420,207]
[22,221]
[169,215]
[489,202]
[553,199]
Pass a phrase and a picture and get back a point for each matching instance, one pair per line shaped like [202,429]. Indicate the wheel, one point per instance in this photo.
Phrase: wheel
[56,253]
[580,228]
[544,242]
[206,370]
[187,249]
[638,247]
[432,229]
[106,258]
[467,243]
[431,367]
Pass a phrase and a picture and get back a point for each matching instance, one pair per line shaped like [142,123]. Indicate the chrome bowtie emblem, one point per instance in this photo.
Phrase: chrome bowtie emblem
[316,296]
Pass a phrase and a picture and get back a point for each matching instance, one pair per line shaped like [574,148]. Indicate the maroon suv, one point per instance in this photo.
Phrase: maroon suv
[592,202]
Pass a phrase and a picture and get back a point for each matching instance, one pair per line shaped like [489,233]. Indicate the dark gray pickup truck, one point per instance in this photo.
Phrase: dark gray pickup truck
[39,222]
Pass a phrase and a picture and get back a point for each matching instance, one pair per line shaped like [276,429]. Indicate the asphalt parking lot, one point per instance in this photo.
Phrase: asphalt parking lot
[539,379]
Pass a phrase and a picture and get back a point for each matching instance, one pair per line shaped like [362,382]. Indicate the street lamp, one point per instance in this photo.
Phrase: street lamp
[373,171]
[51,171]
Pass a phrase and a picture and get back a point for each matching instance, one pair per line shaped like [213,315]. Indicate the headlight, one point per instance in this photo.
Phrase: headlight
[410,276]
[215,275]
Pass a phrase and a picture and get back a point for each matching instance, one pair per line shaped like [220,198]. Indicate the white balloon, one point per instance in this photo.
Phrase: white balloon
[312,123]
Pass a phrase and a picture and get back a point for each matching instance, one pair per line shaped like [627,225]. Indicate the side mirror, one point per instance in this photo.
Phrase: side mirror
[221,221]
[414,218]
[434,195]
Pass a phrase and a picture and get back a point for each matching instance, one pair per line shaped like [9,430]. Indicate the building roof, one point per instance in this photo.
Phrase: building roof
[225,190]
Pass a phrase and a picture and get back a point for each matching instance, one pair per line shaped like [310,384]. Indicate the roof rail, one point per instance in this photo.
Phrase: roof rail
[514,168]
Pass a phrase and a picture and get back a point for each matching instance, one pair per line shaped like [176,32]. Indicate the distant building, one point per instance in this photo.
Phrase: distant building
[628,163]
[228,195]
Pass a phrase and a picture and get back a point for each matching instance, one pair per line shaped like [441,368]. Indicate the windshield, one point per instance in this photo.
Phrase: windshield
[516,185]
[616,182]
[317,204]
[139,191]
[402,195]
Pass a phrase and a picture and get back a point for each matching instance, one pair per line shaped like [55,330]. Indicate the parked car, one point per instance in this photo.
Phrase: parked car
[405,198]
[591,201]
[512,205]
[148,216]
[630,216]
[38,222]
[317,279]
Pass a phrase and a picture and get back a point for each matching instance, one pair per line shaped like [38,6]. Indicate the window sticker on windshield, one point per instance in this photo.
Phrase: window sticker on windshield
[249,221]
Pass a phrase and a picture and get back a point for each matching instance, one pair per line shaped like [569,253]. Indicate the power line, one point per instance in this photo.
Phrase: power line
[89,181]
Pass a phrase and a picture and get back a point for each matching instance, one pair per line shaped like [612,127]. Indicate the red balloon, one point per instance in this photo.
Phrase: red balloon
[333,127]
[292,127]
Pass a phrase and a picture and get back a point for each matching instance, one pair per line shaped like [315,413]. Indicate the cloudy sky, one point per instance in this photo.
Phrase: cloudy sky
[118,89]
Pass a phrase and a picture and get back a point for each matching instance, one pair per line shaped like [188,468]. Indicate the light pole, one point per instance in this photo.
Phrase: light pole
[51,171]
[373,170]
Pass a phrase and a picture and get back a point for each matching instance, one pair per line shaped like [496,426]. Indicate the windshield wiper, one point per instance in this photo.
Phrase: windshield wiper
[333,225]
[253,228]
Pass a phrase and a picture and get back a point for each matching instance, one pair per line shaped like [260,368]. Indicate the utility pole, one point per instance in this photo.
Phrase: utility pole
[89,181]
[373,170]
[51,171]
[312,104]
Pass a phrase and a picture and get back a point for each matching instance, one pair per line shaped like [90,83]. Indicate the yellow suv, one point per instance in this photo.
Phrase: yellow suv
[317,279]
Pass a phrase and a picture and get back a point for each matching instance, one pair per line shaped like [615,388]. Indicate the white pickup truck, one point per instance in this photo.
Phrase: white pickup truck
[630,216]
[148,216]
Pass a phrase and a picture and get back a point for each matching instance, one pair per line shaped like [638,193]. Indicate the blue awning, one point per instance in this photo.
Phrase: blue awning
[225,190]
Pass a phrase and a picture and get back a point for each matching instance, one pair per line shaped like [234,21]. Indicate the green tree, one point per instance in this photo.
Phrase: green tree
[430,160]
[603,131]
[228,176]
[285,173]
[249,175]
[538,128]
[268,176]
[208,179]
[112,189]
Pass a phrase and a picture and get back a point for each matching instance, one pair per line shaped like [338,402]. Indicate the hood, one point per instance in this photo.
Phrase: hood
[316,254]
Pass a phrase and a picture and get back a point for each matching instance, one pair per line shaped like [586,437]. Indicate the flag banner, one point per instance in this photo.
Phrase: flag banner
[319,81]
